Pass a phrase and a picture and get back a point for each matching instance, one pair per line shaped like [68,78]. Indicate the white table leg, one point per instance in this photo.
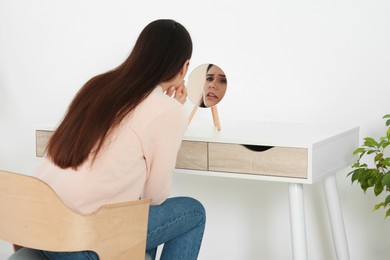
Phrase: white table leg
[297,220]
[336,218]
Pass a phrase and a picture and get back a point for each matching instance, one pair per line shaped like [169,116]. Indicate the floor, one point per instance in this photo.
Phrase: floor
[5,250]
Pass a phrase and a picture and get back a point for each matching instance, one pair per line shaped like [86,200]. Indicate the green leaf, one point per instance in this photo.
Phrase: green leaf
[386,161]
[355,165]
[388,122]
[386,179]
[387,213]
[378,188]
[378,206]
[387,200]
[355,176]
[359,150]
[364,185]
[353,172]
[371,151]
[379,179]
[376,174]
[386,116]
[378,157]
[388,133]
[370,142]
[385,144]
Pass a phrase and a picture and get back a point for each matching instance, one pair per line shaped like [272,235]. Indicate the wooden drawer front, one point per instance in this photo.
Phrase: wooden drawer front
[276,161]
[42,139]
[192,155]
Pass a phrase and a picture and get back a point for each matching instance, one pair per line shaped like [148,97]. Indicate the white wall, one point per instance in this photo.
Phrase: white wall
[305,61]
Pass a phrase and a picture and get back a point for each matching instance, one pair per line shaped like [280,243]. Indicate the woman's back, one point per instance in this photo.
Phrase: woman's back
[135,161]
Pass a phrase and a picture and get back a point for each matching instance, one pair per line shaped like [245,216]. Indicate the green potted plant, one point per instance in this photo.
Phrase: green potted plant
[372,168]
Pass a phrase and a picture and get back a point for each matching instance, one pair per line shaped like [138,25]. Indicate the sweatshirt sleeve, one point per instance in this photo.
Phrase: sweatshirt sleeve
[162,141]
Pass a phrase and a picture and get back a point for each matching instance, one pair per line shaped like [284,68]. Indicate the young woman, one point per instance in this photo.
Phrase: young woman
[119,140]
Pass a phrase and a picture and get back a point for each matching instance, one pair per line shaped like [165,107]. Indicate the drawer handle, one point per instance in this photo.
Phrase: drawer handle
[257,148]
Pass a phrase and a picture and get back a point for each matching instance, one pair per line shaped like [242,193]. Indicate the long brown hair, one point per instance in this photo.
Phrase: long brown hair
[101,104]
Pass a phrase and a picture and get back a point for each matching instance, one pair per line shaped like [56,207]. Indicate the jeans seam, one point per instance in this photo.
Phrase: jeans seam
[89,256]
[181,218]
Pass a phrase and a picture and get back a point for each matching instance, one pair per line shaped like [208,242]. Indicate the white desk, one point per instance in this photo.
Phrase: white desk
[294,153]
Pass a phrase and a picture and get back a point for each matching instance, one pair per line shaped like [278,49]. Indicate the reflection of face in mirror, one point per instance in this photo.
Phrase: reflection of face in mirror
[214,86]
[207,85]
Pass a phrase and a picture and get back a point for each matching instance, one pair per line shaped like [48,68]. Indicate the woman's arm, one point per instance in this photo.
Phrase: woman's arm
[163,139]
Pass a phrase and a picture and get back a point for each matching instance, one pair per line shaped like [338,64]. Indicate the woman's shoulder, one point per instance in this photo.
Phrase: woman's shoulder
[156,105]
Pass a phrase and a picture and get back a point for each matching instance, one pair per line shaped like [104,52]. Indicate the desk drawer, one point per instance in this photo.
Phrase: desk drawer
[192,155]
[42,138]
[275,161]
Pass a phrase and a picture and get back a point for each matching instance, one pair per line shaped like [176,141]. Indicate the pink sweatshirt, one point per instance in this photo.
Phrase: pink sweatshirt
[135,162]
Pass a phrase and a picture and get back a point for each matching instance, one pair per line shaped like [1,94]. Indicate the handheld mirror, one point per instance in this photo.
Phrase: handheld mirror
[206,87]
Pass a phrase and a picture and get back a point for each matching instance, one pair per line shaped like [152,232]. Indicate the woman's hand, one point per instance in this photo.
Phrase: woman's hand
[179,93]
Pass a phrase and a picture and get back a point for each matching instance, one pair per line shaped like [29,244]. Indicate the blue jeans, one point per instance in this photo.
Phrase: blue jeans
[178,223]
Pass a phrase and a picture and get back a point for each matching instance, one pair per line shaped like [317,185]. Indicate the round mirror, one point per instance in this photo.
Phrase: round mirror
[206,85]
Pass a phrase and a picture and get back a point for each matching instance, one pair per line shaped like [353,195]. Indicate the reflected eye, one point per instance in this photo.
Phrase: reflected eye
[209,79]
[223,81]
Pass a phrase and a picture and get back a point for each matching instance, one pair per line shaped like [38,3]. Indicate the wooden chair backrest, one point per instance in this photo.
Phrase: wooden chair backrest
[32,215]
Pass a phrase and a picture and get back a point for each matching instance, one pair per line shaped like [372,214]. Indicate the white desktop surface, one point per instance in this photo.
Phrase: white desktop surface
[267,133]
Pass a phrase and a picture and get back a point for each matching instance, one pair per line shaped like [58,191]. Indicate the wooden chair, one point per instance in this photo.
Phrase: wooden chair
[32,216]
